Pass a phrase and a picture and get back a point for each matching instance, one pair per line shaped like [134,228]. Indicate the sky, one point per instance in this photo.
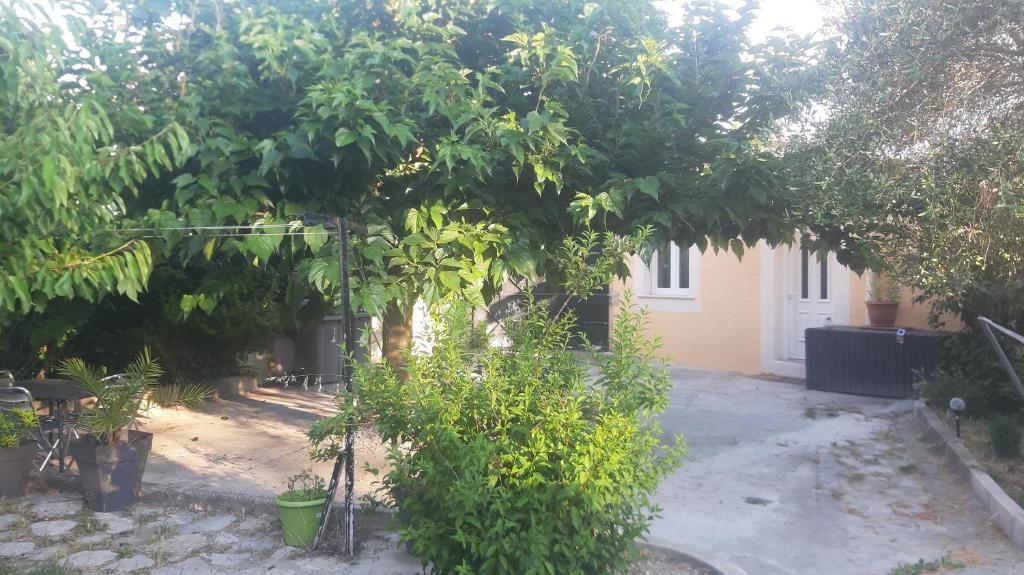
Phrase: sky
[799,16]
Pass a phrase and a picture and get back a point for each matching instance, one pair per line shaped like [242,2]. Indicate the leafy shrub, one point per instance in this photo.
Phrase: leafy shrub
[517,460]
[305,486]
[16,427]
[1005,433]
[969,369]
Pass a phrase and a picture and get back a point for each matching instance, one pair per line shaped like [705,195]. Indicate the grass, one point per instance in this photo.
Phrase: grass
[940,565]
[45,568]
[1008,473]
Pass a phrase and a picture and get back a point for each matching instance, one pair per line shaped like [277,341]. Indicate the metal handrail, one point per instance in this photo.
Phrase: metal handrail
[988,325]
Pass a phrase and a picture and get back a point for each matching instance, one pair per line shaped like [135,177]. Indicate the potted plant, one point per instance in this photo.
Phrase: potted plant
[17,449]
[111,456]
[883,301]
[300,508]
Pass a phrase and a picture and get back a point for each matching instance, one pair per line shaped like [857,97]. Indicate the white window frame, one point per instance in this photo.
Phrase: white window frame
[674,290]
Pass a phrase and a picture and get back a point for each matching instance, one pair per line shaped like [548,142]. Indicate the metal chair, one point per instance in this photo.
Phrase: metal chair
[6,379]
[18,399]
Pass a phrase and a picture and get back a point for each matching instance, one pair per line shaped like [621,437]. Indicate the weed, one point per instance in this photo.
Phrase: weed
[923,566]
[811,413]
[909,469]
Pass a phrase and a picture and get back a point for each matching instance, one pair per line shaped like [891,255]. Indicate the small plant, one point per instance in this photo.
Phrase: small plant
[922,566]
[16,427]
[118,402]
[1005,434]
[305,486]
[884,289]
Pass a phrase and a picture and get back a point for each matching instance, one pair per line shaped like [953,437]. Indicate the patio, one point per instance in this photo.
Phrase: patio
[771,463]
[783,480]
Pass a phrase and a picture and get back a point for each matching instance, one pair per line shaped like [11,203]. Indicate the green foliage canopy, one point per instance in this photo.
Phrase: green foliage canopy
[466,136]
[916,166]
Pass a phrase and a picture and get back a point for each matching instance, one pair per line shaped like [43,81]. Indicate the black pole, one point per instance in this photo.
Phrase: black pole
[346,460]
[348,331]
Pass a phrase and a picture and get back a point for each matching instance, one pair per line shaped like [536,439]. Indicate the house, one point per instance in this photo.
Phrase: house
[748,315]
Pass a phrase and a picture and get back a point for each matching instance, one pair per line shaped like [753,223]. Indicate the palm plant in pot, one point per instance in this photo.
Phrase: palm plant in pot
[17,448]
[883,301]
[112,456]
[300,507]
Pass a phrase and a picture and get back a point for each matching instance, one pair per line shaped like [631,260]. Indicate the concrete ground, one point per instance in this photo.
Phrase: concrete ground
[248,445]
[782,480]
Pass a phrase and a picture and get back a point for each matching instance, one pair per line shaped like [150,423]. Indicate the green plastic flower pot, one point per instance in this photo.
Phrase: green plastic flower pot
[299,519]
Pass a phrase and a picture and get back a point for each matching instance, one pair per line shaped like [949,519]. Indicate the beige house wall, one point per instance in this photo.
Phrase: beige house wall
[911,314]
[734,318]
[722,328]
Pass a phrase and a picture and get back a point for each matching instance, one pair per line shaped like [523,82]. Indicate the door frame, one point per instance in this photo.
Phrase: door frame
[778,281]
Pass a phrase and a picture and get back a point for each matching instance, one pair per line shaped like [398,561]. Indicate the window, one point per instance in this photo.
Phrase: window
[806,275]
[670,271]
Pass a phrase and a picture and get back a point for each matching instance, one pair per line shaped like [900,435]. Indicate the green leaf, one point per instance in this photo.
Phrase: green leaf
[315,238]
[648,186]
[451,280]
[344,137]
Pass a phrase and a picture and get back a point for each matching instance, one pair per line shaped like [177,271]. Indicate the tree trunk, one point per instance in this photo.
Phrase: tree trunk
[397,338]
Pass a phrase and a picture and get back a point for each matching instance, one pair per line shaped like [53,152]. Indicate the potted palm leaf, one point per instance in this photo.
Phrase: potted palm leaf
[112,455]
[17,448]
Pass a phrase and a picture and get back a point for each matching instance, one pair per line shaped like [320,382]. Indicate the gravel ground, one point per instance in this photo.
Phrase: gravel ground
[58,529]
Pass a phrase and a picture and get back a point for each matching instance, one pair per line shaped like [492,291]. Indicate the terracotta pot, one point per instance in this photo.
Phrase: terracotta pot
[15,466]
[112,474]
[882,313]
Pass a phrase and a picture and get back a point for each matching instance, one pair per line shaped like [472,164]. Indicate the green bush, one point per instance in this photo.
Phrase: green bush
[519,460]
[970,369]
[16,427]
[1005,433]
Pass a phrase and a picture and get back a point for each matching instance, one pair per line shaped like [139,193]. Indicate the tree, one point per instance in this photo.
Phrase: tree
[466,137]
[917,164]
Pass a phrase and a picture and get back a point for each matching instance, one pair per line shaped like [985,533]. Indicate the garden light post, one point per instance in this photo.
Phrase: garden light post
[958,406]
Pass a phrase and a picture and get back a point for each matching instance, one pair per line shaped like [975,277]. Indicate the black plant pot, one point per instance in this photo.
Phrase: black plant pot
[112,474]
[15,466]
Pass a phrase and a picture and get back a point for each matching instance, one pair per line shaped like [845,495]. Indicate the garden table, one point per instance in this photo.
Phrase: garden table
[57,393]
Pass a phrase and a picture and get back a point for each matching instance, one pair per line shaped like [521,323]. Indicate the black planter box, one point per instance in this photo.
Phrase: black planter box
[112,474]
[869,361]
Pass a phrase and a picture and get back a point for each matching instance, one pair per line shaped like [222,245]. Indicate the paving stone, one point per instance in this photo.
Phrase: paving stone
[142,510]
[52,529]
[46,553]
[180,545]
[283,553]
[177,519]
[233,560]
[225,539]
[93,539]
[56,509]
[8,520]
[133,563]
[215,523]
[115,523]
[193,566]
[85,559]
[16,548]
[252,523]
[259,544]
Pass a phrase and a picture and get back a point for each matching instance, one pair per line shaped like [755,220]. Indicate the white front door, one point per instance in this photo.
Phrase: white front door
[810,297]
